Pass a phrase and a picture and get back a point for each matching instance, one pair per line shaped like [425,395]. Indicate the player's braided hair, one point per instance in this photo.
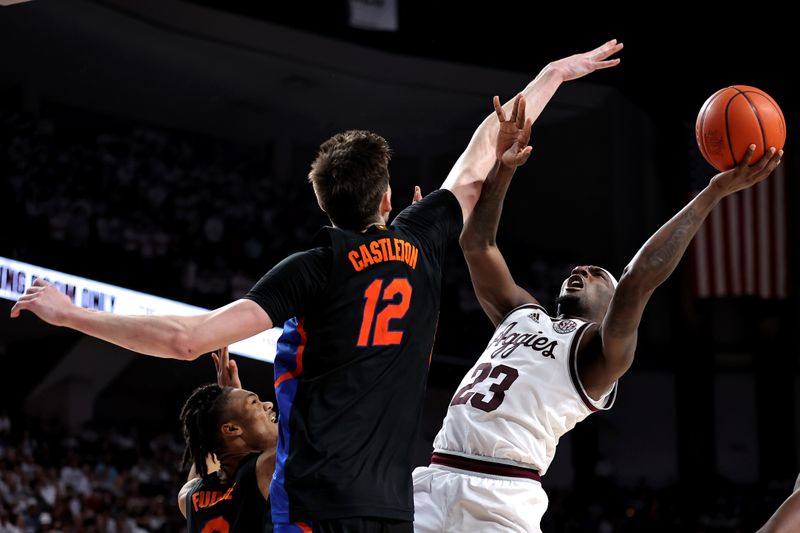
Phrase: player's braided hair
[200,419]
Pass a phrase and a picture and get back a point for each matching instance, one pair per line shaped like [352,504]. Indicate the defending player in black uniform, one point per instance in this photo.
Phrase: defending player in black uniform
[351,368]
[233,427]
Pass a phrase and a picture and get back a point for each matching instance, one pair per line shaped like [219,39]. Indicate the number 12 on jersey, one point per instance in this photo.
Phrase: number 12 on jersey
[375,293]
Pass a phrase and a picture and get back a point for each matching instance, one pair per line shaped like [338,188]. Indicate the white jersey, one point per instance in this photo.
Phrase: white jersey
[522,395]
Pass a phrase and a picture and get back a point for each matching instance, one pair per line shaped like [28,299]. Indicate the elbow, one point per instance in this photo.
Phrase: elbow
[637,281]
[182,346]
[466,241]
[471,243]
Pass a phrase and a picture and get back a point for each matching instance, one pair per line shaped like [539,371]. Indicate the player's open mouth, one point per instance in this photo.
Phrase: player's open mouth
[575,282]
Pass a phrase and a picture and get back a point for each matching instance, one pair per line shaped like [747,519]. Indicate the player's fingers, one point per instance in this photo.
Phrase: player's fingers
[606,64]
[515,109]
[40,283]
[762,163]
[526,132]
[602,47]
[775,160]
[28,296]
[18,307]
[524,155]
[521,112]
[607,50]
[748,155]
[33,291]
[501,115]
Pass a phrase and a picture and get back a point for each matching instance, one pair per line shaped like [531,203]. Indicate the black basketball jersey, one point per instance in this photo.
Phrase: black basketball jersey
[351,368]
[237,506]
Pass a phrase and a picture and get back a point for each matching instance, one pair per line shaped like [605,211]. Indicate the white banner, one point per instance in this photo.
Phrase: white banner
[16,277]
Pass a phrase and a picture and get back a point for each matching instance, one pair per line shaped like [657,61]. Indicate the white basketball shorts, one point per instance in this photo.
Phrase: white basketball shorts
[450,500]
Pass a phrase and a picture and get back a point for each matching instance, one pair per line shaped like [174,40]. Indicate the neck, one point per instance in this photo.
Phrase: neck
[229,461]
[581,314]
[377,220]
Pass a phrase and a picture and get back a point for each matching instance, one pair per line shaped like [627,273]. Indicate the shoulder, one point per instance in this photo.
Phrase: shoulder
[529,308]
[441,204]
[184,493]
[316,254]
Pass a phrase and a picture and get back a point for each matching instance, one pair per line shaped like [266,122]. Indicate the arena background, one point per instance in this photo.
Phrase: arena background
[163,146]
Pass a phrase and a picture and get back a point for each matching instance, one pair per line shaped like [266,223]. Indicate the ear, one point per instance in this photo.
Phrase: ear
[230,429]
[316,195]
[386,203]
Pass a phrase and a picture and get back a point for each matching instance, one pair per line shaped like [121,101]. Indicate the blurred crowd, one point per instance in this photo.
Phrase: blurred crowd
[178,214]
[102,480]
[111,480]
[185,216]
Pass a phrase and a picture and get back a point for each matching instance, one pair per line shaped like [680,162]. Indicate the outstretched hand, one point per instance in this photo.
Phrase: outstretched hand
[579,65]
[44,300]
[417,195]
[512,148]
[227,371]
[745,175]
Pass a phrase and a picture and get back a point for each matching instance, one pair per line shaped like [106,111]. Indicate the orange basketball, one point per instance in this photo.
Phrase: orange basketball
[732,119]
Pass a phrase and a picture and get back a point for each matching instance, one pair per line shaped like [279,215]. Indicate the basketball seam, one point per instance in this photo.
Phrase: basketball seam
[727,127]
[773,104]
[703,147]
[758,119]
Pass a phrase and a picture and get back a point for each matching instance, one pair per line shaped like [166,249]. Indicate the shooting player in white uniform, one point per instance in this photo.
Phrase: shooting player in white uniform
[539,376]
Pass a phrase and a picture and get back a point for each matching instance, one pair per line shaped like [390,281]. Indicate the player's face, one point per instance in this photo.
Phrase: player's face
[257,419]
[588,288]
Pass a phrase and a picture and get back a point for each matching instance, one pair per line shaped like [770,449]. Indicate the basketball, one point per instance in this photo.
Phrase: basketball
[732,119]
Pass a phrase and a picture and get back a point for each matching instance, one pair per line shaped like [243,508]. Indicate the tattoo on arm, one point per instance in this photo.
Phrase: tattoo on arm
[669,253]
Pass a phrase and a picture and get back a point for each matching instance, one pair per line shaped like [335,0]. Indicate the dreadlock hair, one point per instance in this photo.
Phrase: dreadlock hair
[200,417]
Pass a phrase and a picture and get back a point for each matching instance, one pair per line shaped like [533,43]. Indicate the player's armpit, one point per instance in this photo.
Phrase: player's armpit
[618,337]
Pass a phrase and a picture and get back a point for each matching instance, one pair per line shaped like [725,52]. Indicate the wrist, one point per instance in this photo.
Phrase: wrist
[554,71]
[69,316]
[716,190]
[504,172]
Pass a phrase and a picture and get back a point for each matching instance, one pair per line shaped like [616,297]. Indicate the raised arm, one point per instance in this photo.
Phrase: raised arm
[653,264]
[494,286]
[475,163]
[786,519]
[177,337]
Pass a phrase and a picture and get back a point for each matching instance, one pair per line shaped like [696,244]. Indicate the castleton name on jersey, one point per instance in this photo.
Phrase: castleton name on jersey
[381,250]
